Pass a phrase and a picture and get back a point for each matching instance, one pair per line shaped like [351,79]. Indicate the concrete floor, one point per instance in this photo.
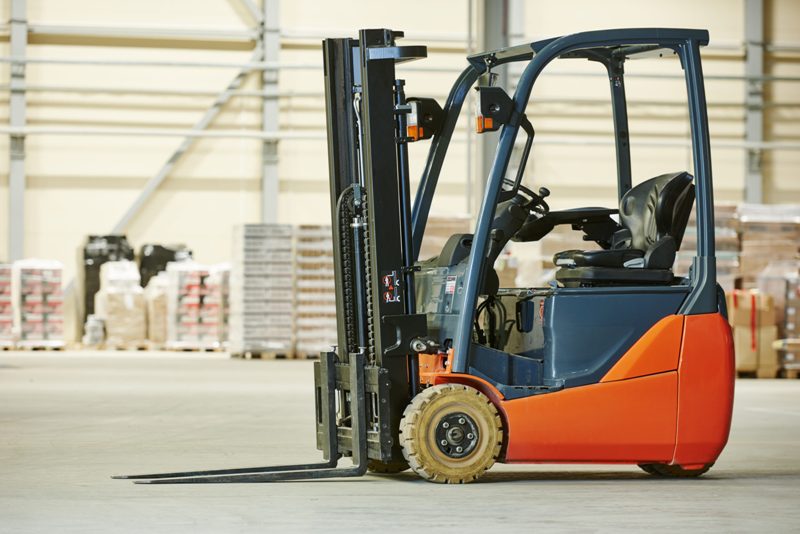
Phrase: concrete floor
[69,420]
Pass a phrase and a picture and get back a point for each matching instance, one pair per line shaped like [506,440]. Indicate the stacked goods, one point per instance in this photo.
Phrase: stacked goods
[219,278]
[315,294]
[38,303]
[781,280]
[752,318]
[153,259]
[727,252]
[260,300]
[790,348]
[97,250]
[195,306]
[768,233]
[6,309]
[726,245]
[438,230]
[155,298]
[120,305]
[95,332]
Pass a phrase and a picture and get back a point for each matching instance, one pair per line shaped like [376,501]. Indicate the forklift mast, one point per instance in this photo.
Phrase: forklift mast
[373,251]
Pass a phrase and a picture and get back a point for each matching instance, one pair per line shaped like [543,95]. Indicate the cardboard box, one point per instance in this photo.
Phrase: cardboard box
[752,318]
[754,350]
[750,308]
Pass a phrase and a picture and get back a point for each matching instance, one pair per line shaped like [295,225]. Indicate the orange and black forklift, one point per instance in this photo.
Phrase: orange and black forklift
[439,369]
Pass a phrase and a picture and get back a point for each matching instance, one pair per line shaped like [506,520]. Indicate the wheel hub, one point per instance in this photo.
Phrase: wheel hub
[457,435]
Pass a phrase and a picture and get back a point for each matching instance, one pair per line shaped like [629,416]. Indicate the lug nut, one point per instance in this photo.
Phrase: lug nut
[461,421]
[443,442]
[459,449]
[470,435]
[445,425]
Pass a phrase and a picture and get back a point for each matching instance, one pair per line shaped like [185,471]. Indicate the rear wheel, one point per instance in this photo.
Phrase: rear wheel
[384,468]
[674,471]
[451,434]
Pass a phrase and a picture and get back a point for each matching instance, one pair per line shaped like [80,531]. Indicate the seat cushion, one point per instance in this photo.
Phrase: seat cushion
[591,276]
[596,258]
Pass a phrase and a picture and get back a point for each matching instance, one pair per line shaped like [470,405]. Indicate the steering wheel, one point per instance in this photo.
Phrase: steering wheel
[531,201]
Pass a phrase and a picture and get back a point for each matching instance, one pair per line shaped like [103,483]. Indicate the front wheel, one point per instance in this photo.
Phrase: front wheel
[451,434]
[674,471]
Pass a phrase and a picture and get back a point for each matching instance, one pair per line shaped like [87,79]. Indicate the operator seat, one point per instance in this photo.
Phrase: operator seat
[653,217]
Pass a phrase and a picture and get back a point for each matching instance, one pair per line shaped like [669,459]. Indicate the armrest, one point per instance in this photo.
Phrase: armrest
[596,223]
[577,215]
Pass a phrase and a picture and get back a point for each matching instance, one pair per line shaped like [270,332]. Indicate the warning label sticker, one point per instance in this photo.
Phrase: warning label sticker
[450,285]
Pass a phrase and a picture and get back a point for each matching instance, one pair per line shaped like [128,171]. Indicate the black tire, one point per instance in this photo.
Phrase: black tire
[648,468]
[674,471]
[391,468]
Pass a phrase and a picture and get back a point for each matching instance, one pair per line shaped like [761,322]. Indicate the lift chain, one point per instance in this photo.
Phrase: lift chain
[346,213]
[368,285]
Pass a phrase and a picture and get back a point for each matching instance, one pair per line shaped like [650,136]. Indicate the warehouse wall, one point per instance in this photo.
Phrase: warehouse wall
[783,123]
[82,184]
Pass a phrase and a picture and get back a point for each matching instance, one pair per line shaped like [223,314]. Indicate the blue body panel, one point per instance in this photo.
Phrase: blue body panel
[587,330]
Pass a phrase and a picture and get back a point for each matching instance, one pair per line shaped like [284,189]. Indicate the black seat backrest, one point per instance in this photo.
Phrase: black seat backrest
[657,208]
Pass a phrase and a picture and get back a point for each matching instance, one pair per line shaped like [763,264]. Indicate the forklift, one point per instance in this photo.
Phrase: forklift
[437,368]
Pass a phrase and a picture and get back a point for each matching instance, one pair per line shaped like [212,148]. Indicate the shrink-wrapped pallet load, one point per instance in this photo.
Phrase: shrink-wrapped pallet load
[196,305]
[768,233]
[120,304]
[6,308]
[315,291]
[261,321]
[752,318]
[155,296]
[38,303]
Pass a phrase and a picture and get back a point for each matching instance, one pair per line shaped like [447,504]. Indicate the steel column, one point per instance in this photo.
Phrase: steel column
[492,34]
[754,98]
[515,20]
[17,108]
[270,41]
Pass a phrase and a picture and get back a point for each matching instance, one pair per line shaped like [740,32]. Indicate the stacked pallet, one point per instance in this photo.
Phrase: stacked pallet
[155,298]
[38,302]
[752,318]
[781,280]
[769,233]
[195,306]
[261,299]
[220,276]
[6,309]
[315,294]
[438,230]
[120,305]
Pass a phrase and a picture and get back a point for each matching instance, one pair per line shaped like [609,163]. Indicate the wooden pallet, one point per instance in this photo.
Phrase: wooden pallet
[195,349]
[264,355]
[791,373]
[133,347]
[767,372]
[307,355]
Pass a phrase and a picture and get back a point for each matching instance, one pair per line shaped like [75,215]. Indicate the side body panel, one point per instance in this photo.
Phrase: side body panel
[626,421]
[705,389]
